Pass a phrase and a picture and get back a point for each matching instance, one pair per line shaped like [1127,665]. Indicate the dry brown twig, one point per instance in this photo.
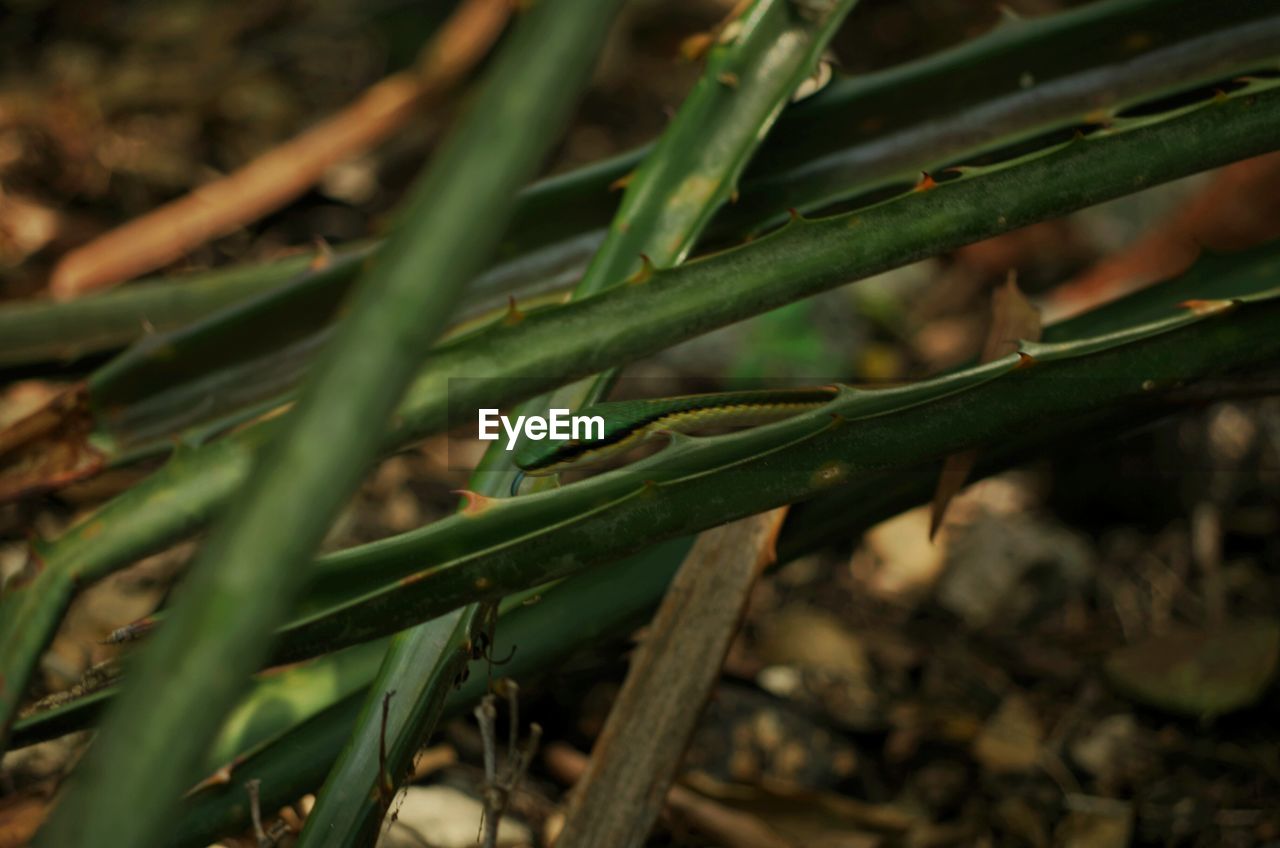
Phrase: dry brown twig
[285,172]
[725,825]
[672,674]
[276,828]
[501,783]
[255,809]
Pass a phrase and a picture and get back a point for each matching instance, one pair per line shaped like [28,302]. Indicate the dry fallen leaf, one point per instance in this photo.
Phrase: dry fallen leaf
[1201,673]
[1013,319]
[1010,740]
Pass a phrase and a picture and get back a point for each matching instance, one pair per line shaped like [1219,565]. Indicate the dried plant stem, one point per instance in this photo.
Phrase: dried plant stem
[673,673]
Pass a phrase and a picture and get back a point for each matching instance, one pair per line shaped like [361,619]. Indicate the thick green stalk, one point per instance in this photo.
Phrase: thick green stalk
[400,709]
[1024,83]
[44,331]
[273,343]
[277,699]
[554,346]
[881,109]
[866,500]
[697,163]
[188,677]
[291,768]
[836,158]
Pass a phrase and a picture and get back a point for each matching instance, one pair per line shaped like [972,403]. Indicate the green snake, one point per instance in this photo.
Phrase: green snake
[627,423]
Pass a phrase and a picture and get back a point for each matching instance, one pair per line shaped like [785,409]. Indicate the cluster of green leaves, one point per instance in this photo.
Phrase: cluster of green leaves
[1123,95]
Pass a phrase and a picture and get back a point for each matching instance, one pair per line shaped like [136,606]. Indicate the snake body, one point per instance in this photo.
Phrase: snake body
[627,423]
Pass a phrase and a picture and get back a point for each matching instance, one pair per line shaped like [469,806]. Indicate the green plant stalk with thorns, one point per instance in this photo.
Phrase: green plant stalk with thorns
[561,344]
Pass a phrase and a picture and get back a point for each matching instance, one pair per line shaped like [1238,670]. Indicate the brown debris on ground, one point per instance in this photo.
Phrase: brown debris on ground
[48,448]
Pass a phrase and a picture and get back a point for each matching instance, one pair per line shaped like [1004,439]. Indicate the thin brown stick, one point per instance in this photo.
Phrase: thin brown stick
[500,783]
[255,809]
[285,172]
[725,825]
[672,674]
[1206,547]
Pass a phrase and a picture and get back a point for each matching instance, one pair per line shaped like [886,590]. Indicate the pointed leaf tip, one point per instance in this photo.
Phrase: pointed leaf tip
[220,777]
[955,474]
